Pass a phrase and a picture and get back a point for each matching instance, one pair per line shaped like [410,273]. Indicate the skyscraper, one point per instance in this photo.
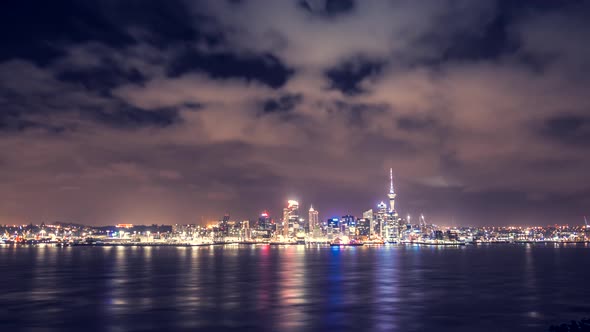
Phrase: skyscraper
[348,225]
[290,217]
[333,226]
[364,227]
[382,217]
[285,222]
[313,219]
[368,215]
[224,225]
[264,224]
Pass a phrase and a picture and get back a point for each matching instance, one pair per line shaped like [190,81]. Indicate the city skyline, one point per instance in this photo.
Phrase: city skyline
[175,111]
[376,214]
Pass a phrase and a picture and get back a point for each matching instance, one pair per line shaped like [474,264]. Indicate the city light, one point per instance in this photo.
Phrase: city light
[375,227]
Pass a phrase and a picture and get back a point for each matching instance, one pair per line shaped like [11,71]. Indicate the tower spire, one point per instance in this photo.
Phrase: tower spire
[391,193]
[391,181]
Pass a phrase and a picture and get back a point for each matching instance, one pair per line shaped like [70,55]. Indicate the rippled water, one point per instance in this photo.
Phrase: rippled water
[294,288]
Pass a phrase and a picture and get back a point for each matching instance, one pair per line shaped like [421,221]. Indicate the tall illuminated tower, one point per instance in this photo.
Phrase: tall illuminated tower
[392,193]
[393,223]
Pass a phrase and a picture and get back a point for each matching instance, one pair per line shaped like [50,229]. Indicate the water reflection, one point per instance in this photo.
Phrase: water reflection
[293,288]
[530,287]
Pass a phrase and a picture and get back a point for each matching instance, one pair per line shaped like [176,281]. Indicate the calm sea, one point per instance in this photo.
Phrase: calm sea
[293,288]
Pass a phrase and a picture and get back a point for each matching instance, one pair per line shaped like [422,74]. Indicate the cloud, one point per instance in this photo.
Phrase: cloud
[191,89]
[243,104]
[375,29]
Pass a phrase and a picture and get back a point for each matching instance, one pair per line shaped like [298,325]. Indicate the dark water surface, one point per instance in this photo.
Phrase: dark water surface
[294,288]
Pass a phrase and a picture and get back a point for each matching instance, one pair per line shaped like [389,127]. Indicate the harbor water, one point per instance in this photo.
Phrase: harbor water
[510,287]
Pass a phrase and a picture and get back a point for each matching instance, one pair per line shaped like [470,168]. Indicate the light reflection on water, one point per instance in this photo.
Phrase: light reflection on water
[293,288]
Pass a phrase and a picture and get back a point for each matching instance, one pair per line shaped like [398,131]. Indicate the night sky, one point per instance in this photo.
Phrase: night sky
[174,111]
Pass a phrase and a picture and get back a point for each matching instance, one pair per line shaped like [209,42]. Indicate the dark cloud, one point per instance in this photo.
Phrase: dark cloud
[415,123]
[38,99]
[284,103]
[328,8]
[38,31]
[568,129]
[264,68]
[127,117]
[101,78]
[13,121]
[354,114]
[348,76]
[491,42]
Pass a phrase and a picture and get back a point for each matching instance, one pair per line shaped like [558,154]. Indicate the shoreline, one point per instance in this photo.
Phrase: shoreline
[139,244]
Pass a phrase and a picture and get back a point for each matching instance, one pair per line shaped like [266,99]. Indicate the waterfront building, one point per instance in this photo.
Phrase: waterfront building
[381,218]
[348,225]
[265,225]
[224,225]
[285,222]
[364,227]
[438,235]
[291,220]
[333,226]
[368,215]
[246,233]
[300,227]
[313,220]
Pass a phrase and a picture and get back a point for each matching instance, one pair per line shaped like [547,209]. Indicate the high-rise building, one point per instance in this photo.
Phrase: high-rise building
[371,218]
[264,227]
[333,225]
[290,218]
[263,222]
[348,220]
[313,219]
[348,225]
[285,222]
[224,225]
[245,232]
[363,227]
[381,219]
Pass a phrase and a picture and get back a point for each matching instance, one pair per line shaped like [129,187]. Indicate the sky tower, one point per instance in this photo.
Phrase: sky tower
[391,194]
